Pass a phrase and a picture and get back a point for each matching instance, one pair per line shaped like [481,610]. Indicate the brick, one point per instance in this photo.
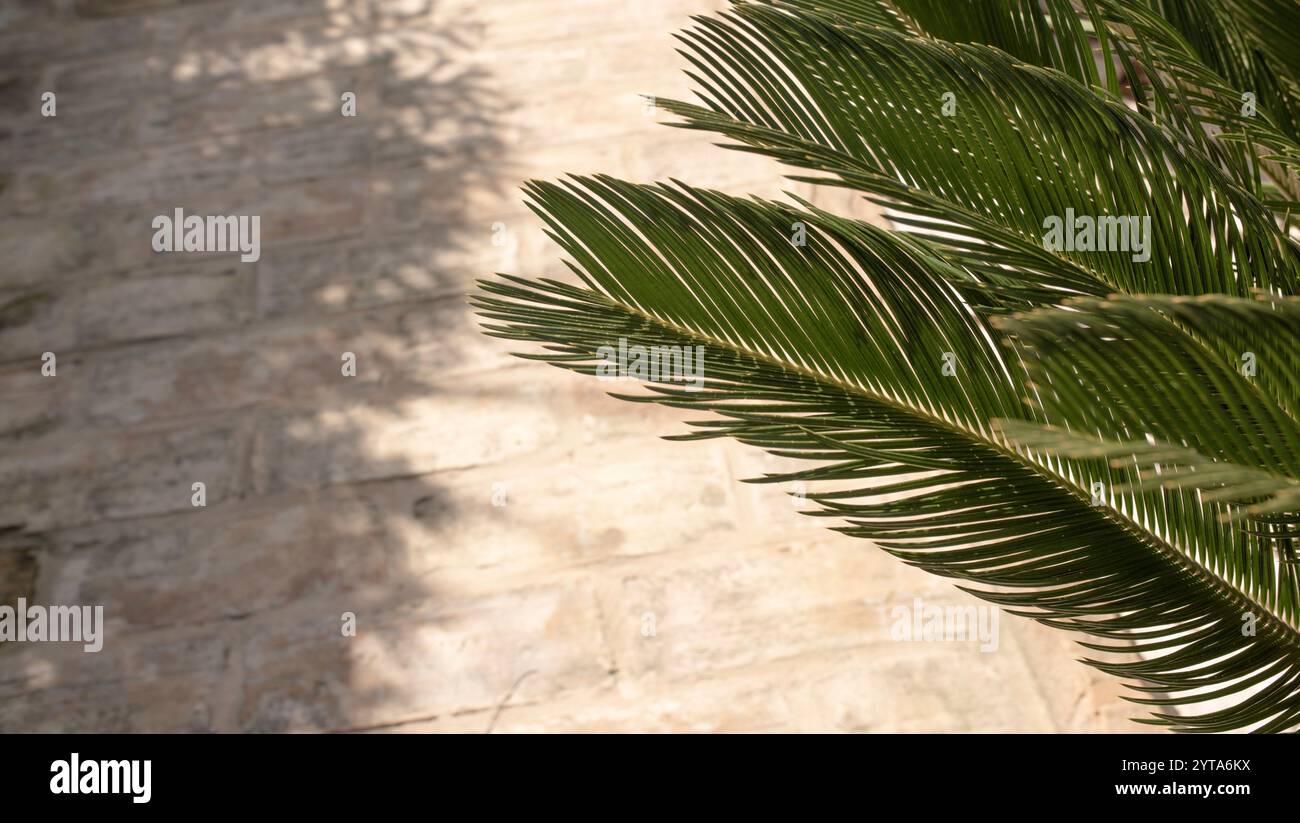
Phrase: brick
[451,521]
[36,321]
[173,172]
[33,37]
[288,366]
[743,607]
[430,430]
[85,244]
[38,249]
[754,701]
[186,569]
[112,8]
[19,564]
[179,704]
[189,298]
[35,404]
[165,682]
[464,656]
[351,274]
[80,129]
[207,296]
[235,107]
[295,155]
[260,54]
[69,479]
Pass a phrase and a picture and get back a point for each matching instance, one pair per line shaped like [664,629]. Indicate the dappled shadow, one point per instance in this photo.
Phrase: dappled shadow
[322,488]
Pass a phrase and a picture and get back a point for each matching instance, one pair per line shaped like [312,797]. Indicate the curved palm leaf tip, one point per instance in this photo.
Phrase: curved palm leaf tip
[1016,414]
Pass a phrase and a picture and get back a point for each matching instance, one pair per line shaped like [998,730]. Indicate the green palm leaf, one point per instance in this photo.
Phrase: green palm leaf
[865,104]
[1157,388]
[886,359]
[1184,85]
[1186,371]
[1164,466]
[834,352]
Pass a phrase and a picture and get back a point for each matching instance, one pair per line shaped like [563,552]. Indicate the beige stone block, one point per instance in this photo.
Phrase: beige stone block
[222,563]
[435,657]
[64,479]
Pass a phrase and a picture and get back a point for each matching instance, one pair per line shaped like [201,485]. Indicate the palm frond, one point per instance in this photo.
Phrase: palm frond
[1165,466]
[1159,384]
[865,105]
[1250,43]
[834,352]
[1168,78]
[1122,368]
[1107,501]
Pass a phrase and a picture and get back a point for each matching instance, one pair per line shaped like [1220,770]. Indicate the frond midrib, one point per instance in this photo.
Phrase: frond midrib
[1286,632]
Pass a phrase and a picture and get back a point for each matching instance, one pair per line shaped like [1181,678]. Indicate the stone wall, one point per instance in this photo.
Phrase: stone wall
[505,534]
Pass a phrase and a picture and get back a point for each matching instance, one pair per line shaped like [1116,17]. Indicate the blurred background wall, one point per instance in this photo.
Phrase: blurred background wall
[521,552]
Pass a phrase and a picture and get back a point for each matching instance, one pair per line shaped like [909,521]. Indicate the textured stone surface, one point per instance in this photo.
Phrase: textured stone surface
[521,552]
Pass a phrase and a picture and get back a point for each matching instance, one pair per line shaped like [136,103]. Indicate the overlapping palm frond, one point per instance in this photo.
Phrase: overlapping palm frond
[889,359]
[1199,69]
[1172,396]
[1250,44]
[866,105]
[1160,465]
